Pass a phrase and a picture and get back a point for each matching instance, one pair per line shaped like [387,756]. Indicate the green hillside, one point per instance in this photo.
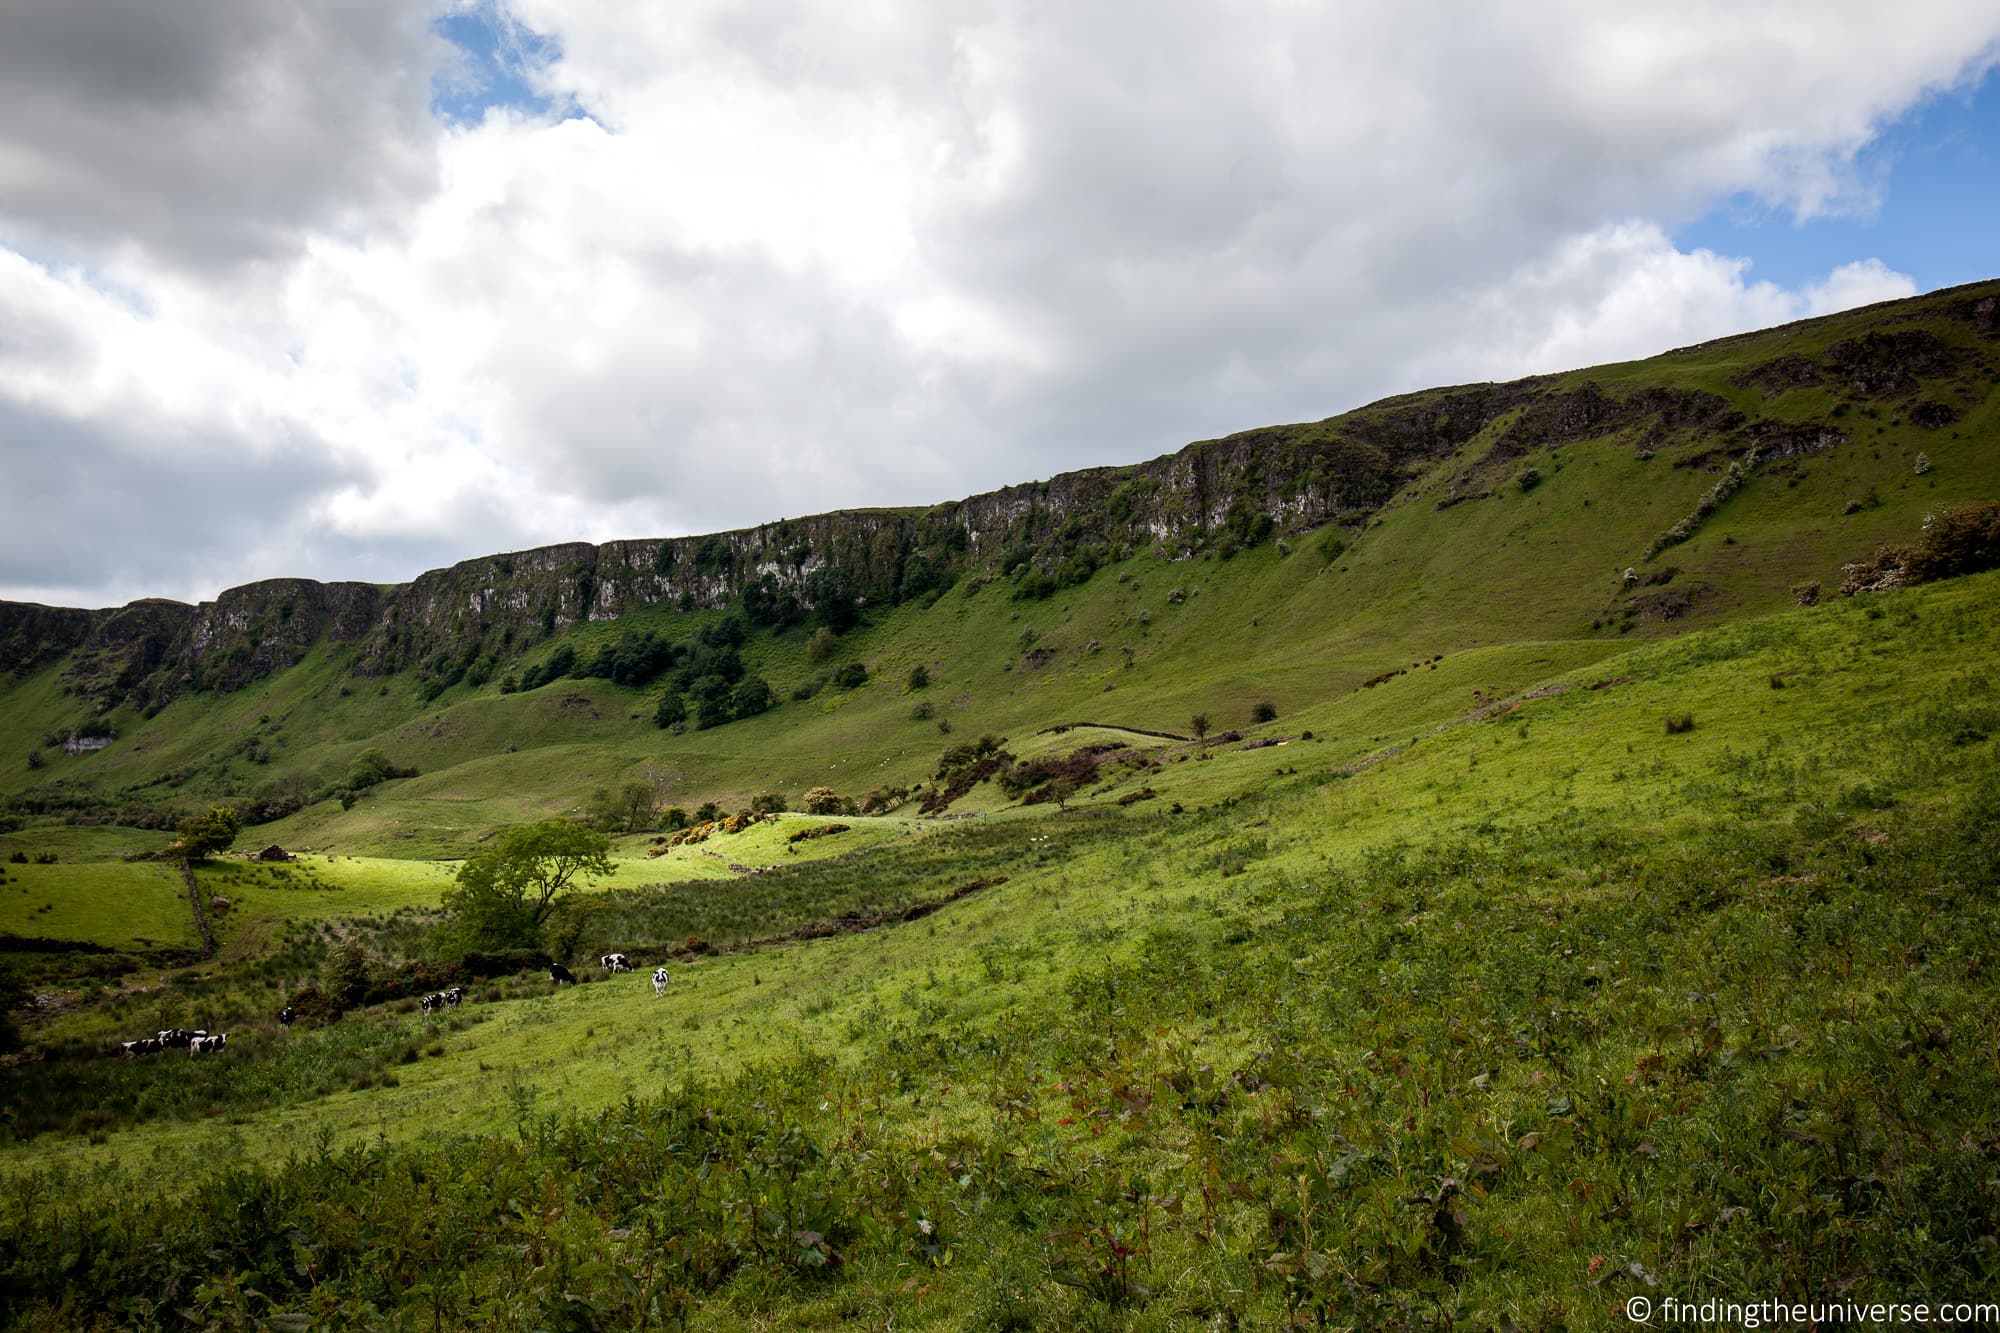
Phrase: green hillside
[1392,915]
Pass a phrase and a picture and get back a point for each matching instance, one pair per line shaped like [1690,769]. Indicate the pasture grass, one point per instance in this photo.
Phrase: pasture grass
[1543,1010]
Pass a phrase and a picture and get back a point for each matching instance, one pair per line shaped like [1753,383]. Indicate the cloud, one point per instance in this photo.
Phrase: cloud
[209,133]
[780,259]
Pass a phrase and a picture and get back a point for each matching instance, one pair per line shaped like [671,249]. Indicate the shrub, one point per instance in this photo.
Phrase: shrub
[923,712]
[1198,724]
[1964,539]
[345,975]
[1679,722]
[823,801]
[753,695]
[672,711]
[820,644]
[202,835]
[851,676]
[1529,479]
[920,677]
[808,687]
[1264,711]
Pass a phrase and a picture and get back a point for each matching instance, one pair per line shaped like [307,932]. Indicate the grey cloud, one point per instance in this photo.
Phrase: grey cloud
[208,132]
[91,506]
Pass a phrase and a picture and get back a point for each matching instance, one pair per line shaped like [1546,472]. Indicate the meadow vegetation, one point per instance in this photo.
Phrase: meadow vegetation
[1465,915]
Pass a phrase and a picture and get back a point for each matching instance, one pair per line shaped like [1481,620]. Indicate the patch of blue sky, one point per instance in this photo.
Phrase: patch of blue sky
[1935,172]
[494,66]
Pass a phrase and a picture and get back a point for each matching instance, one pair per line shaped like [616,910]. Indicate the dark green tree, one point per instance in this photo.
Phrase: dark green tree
[204,835]
[506,892]
[672,711]
[831,595]
[752,696]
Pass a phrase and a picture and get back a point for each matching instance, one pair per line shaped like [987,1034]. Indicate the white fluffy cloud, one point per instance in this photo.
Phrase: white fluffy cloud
[792,258]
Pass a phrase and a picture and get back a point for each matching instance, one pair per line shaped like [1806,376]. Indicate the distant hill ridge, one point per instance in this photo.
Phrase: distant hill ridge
[1929,360]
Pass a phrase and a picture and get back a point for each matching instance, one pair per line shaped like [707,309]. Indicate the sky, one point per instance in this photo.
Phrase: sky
[350,289]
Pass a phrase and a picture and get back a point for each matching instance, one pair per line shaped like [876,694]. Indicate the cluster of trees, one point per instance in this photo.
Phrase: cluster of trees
[707,681]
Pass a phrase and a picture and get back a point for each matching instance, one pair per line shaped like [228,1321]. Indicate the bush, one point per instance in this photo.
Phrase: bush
[372,767]
[920,677]
[672,711]
[1964,539]
[753,695]
[820,644]
[1679,722]
[1529,479]
[345,976]
[1264,711]
[1198,724]
[204,835]
[823,801]
[851,676]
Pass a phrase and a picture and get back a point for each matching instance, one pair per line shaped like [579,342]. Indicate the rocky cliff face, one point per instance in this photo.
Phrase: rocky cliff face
[1232,491]
[1275,479]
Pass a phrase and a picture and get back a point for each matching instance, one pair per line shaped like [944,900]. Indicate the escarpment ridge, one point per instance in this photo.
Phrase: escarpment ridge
[1927,362]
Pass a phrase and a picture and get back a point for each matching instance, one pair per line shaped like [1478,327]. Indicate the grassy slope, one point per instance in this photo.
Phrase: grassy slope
[1415,915]
[1407,888]
[1298,630]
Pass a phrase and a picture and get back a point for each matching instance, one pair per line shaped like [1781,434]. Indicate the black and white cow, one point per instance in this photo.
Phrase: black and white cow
[615,963]
[286,1015]
[559,974]
[143,1046]
[208,1044]
[443,999]
[659,982]
[179,1038]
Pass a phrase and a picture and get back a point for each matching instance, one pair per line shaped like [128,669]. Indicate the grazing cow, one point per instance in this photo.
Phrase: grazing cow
[559,974]
[128,1049]
[659,981]
[431,1002]
[616,962]
[179,1038]
[286,1015]
[207,1043]
[454,995]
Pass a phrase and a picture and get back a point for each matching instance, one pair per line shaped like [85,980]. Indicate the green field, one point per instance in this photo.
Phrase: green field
[1499,948]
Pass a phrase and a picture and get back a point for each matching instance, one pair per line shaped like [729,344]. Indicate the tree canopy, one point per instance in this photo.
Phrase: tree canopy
[505,892]
[204,835]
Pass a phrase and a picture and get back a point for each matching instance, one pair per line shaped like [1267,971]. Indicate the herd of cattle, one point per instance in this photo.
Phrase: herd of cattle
[196,1042]
[199,1041]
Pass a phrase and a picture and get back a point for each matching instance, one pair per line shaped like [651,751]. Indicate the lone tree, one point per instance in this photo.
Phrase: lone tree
[506,891]
[1198,724]
[823,801]
[204,835]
